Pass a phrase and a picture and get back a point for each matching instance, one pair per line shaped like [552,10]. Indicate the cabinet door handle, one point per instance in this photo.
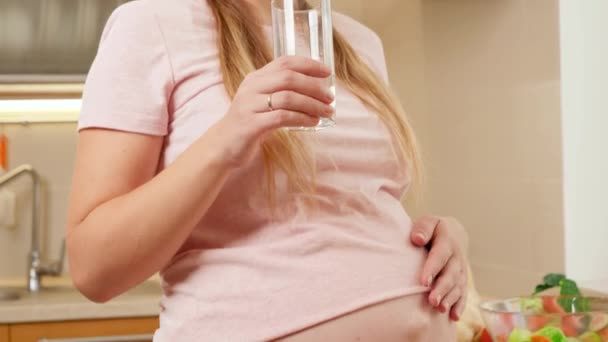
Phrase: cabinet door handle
[124,338]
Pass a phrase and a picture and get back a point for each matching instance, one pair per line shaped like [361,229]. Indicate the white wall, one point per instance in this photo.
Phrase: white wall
[584,49]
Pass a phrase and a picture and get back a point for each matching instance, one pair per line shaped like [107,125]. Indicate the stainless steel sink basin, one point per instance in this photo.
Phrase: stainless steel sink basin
[8,295]
[17,294]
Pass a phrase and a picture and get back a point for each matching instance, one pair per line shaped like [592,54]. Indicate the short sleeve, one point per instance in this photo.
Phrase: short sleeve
[130,81]
[365,41]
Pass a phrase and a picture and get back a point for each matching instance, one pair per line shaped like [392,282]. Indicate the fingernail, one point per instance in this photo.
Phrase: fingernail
[437,300]
[419,238]
[329,95]
[429,281]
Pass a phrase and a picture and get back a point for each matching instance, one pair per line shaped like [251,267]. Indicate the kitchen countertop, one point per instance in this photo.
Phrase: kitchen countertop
[60,301]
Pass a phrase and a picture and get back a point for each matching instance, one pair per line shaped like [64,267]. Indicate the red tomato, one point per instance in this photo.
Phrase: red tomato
[550,305]
[485,336]
[572,326]
[603,334]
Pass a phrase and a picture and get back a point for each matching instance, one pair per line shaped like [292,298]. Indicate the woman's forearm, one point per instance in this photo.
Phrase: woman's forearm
[127,239]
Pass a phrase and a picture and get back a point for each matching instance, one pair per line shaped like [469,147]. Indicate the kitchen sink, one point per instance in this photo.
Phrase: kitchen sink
[9,295]
[17,294]
[59,300]
[60,292]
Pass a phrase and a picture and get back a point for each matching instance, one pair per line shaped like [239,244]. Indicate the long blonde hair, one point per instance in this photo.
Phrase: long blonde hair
[240,38]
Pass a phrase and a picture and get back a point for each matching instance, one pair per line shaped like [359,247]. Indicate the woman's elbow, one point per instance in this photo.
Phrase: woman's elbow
[90,285]
[89,282]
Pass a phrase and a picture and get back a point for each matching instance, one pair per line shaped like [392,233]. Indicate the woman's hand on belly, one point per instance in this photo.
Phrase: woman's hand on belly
[445,269]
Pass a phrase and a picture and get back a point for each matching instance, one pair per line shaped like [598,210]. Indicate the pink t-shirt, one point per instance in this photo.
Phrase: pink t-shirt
[243,275]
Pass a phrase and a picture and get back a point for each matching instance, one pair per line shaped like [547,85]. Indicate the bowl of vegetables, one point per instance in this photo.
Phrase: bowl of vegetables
[567,317]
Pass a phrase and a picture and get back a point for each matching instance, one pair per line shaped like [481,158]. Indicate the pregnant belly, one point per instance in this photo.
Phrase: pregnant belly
[296,283]
[409,318]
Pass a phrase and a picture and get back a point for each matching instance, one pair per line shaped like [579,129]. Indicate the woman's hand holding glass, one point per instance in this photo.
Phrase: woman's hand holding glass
[290,91]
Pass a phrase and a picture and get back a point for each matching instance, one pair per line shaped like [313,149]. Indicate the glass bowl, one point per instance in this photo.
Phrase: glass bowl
[579,319]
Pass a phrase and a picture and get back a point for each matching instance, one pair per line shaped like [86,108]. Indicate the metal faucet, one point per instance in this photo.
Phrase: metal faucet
[36,267]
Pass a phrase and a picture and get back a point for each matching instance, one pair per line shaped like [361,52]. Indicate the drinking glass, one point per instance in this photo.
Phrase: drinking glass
[304,28]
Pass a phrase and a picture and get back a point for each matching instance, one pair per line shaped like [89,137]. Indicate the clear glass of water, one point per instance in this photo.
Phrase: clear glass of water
[304,28]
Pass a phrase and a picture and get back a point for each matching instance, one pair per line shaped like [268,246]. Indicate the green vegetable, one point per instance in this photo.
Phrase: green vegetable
[553,333]
[568,288]
[553,278]
[519,335]
[549,281]
[531,305]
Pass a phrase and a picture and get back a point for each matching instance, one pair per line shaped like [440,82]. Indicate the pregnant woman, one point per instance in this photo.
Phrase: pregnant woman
[184,168]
